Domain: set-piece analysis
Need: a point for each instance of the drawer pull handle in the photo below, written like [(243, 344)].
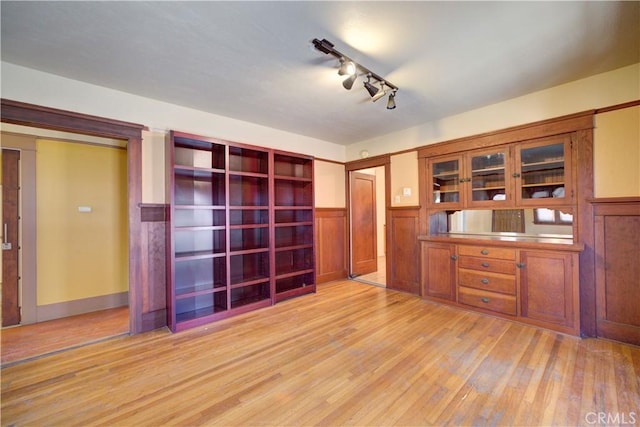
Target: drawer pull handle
[(520, 265), (484, 252), (454, 257), (485, 281), (485, 300), (485, 264)]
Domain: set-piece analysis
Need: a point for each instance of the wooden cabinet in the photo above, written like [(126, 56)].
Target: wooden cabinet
[(241, 228), (534, 286), (438, 270), (549, 289), (487, 278), (536, 172), (543, 172)]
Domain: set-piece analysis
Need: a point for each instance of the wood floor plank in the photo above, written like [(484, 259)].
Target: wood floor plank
[(352, 354)]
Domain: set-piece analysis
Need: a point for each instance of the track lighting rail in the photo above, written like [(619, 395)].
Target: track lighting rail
[(325, 46)]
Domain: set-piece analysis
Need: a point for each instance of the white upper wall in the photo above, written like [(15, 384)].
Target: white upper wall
[(602, 90), (35, 87)]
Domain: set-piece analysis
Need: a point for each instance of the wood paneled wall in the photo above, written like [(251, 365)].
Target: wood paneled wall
[(153, 260), (403, 260), (617, 245), (331, 244)]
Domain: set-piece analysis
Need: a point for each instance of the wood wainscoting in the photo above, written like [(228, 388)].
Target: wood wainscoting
[(153, 238), (403, 262), (331, 244), (617, 245)]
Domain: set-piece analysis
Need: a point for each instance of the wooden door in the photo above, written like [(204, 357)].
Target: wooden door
[(364, 247), (617, 241), (549, 289), (10, 206), (439, 270)]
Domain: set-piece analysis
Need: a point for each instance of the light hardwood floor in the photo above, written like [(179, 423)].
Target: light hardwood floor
[(352, 354), (28, 341), (378, 277)]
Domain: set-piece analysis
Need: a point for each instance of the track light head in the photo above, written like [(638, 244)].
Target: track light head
[(348, 82), (347, 68), (391, 103), (370, 88), (380, 93)]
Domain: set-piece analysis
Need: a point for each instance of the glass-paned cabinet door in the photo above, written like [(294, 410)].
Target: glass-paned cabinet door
[(445, 180), (544, 171), (489, 177)]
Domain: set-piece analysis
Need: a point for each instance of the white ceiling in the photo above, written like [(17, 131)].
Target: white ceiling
[(253, 61)]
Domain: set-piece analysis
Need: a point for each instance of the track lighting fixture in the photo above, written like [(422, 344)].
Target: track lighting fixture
[(347, 68), (350, 68), (348, 82), (391, 103), (369, 87)]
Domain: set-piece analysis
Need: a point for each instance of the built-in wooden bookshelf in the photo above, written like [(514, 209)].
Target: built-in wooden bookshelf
[(241, 228)]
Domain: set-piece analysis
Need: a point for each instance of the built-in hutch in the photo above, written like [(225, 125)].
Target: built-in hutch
[(501, 225), (240, 234)]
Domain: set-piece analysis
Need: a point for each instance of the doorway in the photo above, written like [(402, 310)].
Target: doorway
[(10, 244), (33, 301), (367, 207)]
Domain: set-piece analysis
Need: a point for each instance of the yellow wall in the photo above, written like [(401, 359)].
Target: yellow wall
[(617, 153), (81, 255)]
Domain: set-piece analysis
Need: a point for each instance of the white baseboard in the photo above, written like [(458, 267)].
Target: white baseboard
[(81, 306)]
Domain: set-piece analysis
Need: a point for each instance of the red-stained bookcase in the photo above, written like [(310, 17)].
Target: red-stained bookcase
[(240, 233)]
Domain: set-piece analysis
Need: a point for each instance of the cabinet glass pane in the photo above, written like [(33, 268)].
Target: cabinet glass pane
[(488, 177), (542, 171), (446, 180), (197, 275), (249, 294)]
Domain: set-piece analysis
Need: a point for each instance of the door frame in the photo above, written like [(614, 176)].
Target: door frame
[(32, 115), (370, 162)]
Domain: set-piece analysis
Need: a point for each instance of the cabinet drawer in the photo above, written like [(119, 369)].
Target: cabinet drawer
[(487, 252), (487, 264), (487, 300), (487, 281)]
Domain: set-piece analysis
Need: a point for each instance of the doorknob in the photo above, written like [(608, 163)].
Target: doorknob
[(6, 246)]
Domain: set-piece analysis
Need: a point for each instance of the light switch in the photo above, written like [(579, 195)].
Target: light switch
[(84, 209), (406, 191)]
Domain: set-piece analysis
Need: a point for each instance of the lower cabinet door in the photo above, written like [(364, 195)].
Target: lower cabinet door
[(438, 276), (548, 286)]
